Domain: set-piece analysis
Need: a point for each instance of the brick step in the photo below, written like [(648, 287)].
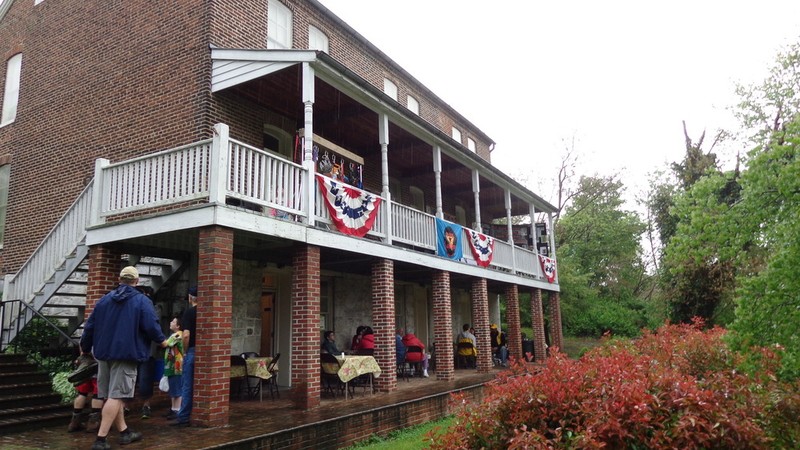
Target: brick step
[(35, 418), (12, 358), (11, 402), (35, 387), (17, 366), (22, 377)]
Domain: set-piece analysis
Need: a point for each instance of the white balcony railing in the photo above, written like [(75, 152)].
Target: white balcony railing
[(270, 184)]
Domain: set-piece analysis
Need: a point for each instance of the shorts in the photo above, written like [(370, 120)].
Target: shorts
[(175, 385), (116, 379), (88, 388)]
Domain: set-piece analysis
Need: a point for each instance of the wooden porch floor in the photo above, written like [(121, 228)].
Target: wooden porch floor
[(248, 419)]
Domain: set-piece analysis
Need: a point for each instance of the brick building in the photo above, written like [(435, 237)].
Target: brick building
[(185, 138)]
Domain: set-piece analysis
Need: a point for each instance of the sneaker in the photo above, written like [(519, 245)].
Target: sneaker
[(172, 414), (180, 424), (145, 412), (101, 445), (425, 374), (129, 436)]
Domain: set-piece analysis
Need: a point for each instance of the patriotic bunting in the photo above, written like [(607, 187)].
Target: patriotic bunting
[(352, 210), (549, 267), (448, 236), (482, 247)]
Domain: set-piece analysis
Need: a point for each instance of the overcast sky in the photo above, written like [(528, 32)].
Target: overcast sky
[(618, 77)]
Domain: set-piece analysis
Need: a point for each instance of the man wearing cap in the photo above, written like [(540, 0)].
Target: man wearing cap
[(189, 324), (118, 333)]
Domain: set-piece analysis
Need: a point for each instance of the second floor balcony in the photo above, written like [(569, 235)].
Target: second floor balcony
[(267, 194)]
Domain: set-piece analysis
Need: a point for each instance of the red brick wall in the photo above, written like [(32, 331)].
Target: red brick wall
[(108, 79), (384, 324), (556, 336), (305, 327), (104, 268), (513, 334), (214, 310), (443, 326), (480, 320), (537, 319)]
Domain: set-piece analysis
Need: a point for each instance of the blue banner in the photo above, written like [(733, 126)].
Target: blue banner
[(448, 240)]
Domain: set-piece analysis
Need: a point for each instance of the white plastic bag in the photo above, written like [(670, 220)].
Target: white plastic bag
[(164, 384)]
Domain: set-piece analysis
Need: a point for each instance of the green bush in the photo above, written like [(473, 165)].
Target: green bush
[(678, 387)]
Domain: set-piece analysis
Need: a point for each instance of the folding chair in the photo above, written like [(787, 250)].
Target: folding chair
[(253, 383), (331, 382)]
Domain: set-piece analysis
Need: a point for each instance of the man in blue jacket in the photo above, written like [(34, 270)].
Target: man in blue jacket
[(118, 333)]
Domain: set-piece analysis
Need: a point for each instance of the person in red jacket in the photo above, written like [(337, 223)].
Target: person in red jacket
[(367, 344), (355, 344), (411, 340)]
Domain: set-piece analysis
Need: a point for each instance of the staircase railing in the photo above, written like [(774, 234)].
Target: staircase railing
[(20, 314), (49, 256)]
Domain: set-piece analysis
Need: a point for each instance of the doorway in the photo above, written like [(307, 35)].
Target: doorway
[(267, 317)]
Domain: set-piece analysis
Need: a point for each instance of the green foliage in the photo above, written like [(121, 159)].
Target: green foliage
[(62, 386), (678, 387), (35, 337)]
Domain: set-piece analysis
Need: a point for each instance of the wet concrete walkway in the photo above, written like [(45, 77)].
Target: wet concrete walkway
[(248, 419)]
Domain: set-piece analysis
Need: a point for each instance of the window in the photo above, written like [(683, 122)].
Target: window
[(456, 135), (5, 171), (390, 88), (471, 145), (279, 32), (461, 215), (413, 105), (11, 96), (317, 40)]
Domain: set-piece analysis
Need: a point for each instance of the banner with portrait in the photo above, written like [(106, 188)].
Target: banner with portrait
[(448, 240)]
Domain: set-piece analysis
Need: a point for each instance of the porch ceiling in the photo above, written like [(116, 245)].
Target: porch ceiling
[(343, 120)]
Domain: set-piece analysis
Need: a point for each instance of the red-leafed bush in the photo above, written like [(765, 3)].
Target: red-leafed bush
[(676, 388)]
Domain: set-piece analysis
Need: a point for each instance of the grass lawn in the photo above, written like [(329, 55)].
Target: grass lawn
[(408, 439)]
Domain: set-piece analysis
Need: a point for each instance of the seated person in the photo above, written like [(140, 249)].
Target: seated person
[(400, 348), (355, 344), (329, 343), (469, 354), (411, 340), (367, 344), (499, 347)]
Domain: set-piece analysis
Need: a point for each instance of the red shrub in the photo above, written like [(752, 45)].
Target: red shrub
[(676, 388)]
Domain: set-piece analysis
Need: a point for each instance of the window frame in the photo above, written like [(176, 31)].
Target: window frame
[(11, 90), (411, 100), (316, 37), (279, 26), (456, 134), (471, 145), (390, 88)]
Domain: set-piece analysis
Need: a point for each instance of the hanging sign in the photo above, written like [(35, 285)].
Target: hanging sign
[(352, 210), (548, 267), (482, 247), (448, 237)]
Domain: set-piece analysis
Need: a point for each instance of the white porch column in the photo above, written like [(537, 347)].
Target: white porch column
[(383, 139), (534, 240), (476, 191), (552, 241), (510, 228), (437, 173), (97, 192), (218, 171), (308, 142)]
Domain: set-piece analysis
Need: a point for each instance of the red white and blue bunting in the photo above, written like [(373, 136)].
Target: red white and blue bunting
[(482, 247), (548, 267), (352, 210)]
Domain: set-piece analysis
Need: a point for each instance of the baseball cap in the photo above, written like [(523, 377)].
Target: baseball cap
[(129, 272)]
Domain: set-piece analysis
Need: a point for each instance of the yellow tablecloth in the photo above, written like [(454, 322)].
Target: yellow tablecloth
[(353, 366), (256, 367)]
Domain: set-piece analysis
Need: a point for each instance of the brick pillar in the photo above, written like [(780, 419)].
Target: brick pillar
[(513, 334), (103, 276), (480, 320), (214, 325), (537, 323), (383, 324), (443, 326), (305, 327), (556, 335)]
